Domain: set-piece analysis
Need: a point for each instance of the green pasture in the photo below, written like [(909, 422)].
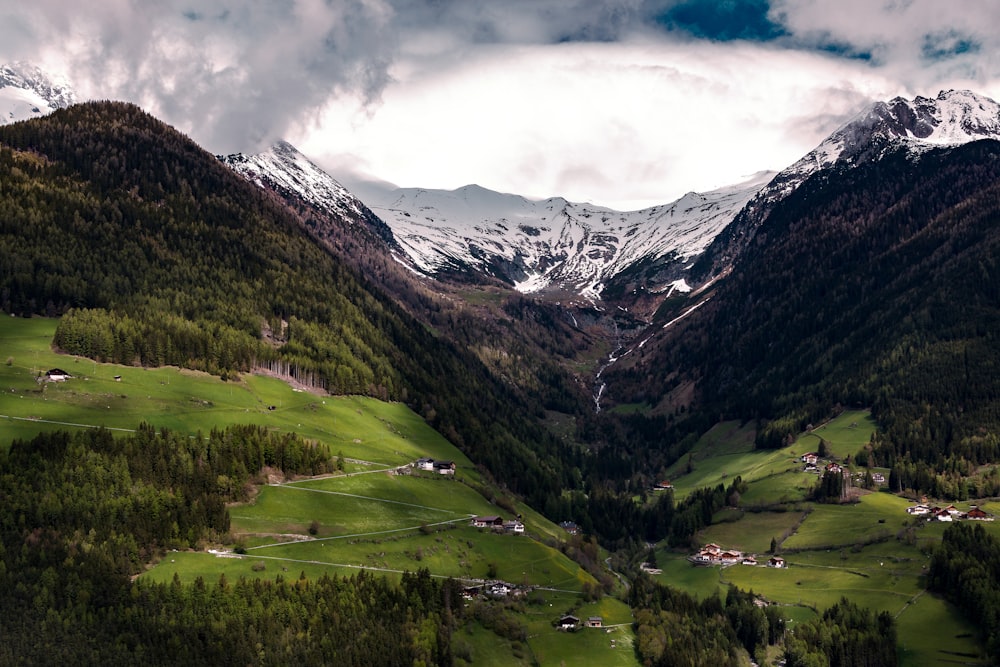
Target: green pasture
[(460, 552), (291, 509), (727, 450), (190, 402), (189, 565), (877, 515), (847, 433), (678, 572), (752, 532), (790, 487), (487, 649), (612, 646), (436, 491), (931, 631)]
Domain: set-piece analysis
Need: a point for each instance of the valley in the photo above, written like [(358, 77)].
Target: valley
[(367, 517), (223, 376)]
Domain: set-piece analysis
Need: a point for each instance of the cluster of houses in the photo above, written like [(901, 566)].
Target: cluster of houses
[(949, 513), (440, 467), (498, 524), (713, 554), (496, 589), (812, 464)]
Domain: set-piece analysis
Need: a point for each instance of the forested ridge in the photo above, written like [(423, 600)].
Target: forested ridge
[(875, 285), (156, 253)]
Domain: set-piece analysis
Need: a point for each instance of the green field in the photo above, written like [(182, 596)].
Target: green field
[(752, 532), (876, 516), (394, 523)]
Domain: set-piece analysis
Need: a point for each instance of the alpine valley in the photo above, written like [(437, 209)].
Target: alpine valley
[(256, 418)]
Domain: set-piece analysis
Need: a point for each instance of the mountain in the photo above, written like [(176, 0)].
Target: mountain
[(155, 253), (28, 92), (553, 246), (874, 283), (953, 118), (288, 172)]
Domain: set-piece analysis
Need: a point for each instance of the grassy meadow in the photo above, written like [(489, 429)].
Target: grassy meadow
[(362, 518), (365, 517)]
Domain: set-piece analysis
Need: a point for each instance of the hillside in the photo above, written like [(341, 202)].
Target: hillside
[(872, 285), (156, 253)]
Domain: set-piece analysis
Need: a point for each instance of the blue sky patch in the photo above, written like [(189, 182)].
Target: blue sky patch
[(723, 20)]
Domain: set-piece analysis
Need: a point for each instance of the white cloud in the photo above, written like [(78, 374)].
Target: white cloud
[(579, 98), (623, 124)]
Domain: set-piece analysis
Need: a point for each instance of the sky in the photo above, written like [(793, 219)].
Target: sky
[(623, 103)]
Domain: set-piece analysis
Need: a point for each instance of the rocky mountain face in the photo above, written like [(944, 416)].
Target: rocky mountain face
[(288, 172), (28, 92), (554, 247), (953, 118)]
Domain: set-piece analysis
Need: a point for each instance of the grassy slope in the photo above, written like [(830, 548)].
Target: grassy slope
[(384, 435), (838, 550)]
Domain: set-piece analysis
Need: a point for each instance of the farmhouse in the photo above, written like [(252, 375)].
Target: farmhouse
[(487, 522), (595, 622), (918, 510), (500, 589), (444, 467), (878, 478), (810, 458), (942, 515), (713, 554), (662, 486), (977, 514), (568, 622), (56, 375), (424, 464), (570, 527), (514, 526), (776, 561), (749, 560)]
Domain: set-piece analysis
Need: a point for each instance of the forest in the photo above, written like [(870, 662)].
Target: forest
[(84, 512), (965, 569)]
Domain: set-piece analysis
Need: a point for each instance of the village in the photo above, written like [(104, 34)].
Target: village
[(713, 554)]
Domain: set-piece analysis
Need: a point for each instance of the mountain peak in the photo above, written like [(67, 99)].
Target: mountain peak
[(288, 171), (28, 92)]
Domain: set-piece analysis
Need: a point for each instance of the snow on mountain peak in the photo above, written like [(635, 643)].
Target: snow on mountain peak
[(288, 171), (551, 244), (28, 92), (955, 117)]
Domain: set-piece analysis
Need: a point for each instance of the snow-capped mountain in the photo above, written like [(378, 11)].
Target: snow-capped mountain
[(288, 171), (28, 92), (553, 244), (953, 118)]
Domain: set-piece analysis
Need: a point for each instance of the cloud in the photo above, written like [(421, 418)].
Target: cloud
[(233, 75), (625, 124), (622, 102)]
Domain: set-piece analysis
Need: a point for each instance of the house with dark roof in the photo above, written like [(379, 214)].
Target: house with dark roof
[(444, 467), (568, 622)]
